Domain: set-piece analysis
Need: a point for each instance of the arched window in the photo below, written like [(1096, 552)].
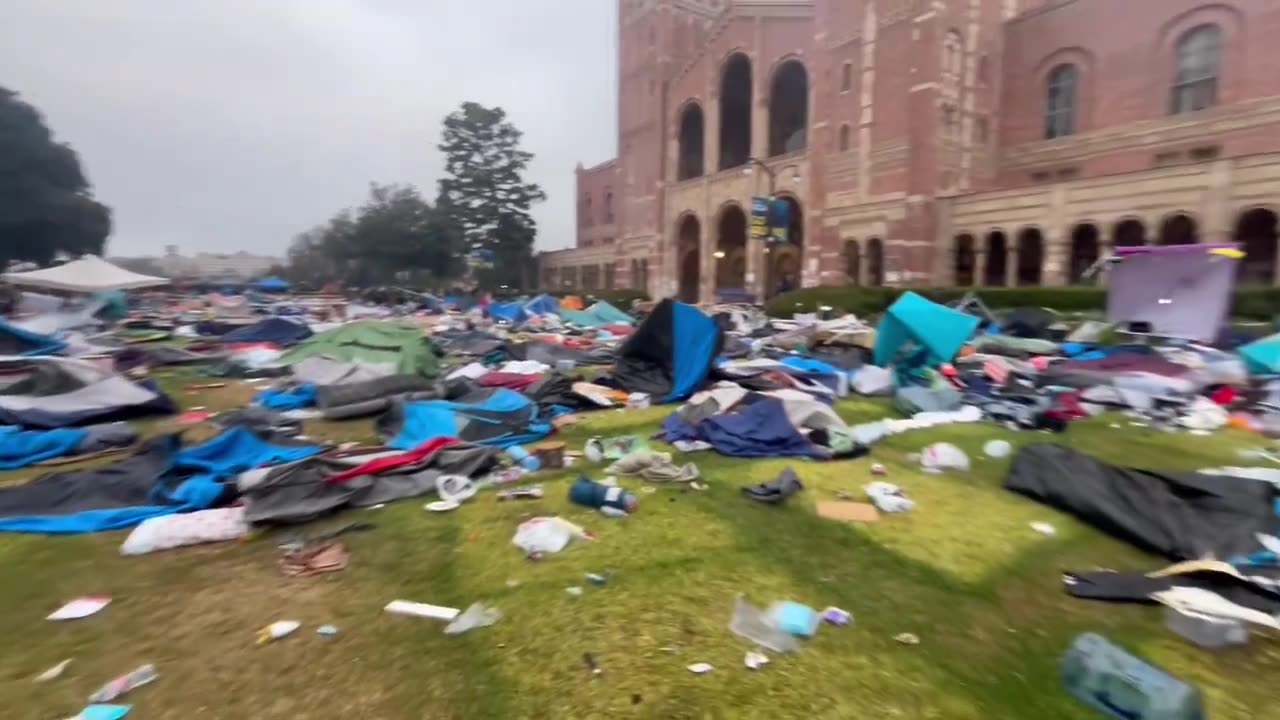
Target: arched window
[(1060, 108), (846, 137), (789, 109), (608, 207), (846, 77), (1198, 61), (735, 112), (690, 163), (586, 210), (952, 59)]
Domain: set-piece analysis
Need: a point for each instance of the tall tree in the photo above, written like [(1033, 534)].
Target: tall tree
[(46, 208), (485, 192)]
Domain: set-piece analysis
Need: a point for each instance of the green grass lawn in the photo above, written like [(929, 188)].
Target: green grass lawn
[(964, 572)]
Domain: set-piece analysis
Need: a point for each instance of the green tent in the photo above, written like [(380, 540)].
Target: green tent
[(372, 342)]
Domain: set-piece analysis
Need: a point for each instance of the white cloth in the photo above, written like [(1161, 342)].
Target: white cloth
[(172, 531), (471, 372), (525, 367), (87, 274)]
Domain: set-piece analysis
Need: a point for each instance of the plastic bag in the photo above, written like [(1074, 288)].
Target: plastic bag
[(171, 531), (543, 535), (940, 457), (477, 616), (751, 623)]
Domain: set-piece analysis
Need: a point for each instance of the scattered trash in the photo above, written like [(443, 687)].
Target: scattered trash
[(546, 535), (550, 454), (777, 490), (379, 506), (277, 630), (701, 668), (593, 450), (755, 660), (81, 608), (422, 610), (315, 559), (591, 664), (836, 616), (125, 683), (1206, 631), (54, 672), (513, 583), (1044, 528), (638, 401), (478, 615), (588, 493), (440, 506), (907, 639), (700, 487), (103, 712), (455, 488), (879, 470), (1092, 666), (649, 489), (751, 623), (794, 618), (193, 417), (940, 457), (533, 492), (889, 498), (524, 459), (848, 512), (173, 531), (327, 631), (598, 578), (998, 449), (575, 591)]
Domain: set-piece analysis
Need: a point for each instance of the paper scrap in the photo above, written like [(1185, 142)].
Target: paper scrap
[(81, 607)]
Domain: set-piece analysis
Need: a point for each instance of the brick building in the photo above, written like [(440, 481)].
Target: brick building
[(968, 142)]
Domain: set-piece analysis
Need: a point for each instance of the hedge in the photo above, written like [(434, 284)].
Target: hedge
[(1250, 303)]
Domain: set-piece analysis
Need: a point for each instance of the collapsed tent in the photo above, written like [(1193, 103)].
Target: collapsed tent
[(1262, 357), (598, 315), (1181, 291), (16, 341), (302, 491), (272, 285), (917, 324), (86, 275), (161, 478), (1182, 516), (275, 330), (393, 348), (542, 305), (670, 354), (53, 392), (22, 448), (494, 416)]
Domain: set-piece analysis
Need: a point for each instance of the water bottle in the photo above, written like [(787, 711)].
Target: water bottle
[(1109, 679), (522, 456)]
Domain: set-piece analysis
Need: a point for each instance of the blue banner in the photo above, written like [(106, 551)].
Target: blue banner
[(779, 220), (759, 218)]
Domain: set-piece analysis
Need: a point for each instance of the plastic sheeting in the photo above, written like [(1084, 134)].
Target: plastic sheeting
[(278, 331)]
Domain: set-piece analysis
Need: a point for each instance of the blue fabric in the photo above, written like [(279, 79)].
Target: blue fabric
[(512, 312), (20, 448), (36, 344), (272, 284), (694, 342), (941, 330), (276, 330), (1261, 357), (296, 398), (760, 429), (542, 305), (212, 464), (503, 419)]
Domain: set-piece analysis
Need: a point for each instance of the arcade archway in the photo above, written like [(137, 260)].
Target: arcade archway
[(689, 255), (1256, 233), (784, 261), (731, 248)]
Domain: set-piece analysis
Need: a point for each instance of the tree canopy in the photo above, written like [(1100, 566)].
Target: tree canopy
[(46, 208), (485, 192)]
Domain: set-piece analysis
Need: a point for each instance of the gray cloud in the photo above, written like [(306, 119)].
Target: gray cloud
[(220, 125)]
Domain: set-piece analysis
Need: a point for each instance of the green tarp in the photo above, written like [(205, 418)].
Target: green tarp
[(402, 346)]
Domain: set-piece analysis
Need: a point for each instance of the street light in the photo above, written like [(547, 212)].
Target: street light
[(753, 163), (719, 254)]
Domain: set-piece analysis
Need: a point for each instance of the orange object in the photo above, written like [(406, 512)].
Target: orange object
[(571, 302)]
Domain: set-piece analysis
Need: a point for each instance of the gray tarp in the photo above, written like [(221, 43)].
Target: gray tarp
[(55, 392)]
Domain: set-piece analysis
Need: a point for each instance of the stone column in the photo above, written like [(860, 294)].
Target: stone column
[(979, 264), (1011, 264), (1056, 263), (711, 133)]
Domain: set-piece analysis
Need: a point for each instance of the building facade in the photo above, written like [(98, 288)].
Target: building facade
[(928, 142)]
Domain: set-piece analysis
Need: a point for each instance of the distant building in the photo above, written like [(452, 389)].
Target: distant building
[(222, 266), (917, 142)]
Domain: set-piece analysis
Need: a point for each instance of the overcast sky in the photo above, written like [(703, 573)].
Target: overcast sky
[(222, 125)]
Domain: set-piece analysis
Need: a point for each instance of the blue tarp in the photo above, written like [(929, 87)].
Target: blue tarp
[(542, 305), (512, 312), (697, 340), (279, 331), (161, 479), (24, 343), (272, 285), (670, 354), (21, 448), (755, 430), (937, 330), (498, 418), (295, 398)]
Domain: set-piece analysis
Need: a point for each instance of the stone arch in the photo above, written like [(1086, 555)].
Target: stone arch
[(1129, 232), (789, 108), (731, 247), (1256, 232), (785, 260), (852, 263), (1086, 248), (965, 262), (1030, 257), (691, 145), (997, 270), (1179, 229), (736, 95), (688, 256), (875, 262)]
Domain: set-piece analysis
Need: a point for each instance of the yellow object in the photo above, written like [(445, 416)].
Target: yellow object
[(1232, 253)]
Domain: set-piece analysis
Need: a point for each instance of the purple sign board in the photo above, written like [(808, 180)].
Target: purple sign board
[(1182, 291)]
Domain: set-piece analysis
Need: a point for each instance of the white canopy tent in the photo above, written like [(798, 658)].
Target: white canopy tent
[(86, 275)]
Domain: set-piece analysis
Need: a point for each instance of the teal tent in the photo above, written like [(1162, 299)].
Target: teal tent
[(1262, 357), (936, 332), (598, 315)]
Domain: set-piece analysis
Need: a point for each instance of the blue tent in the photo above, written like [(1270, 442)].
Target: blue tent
[(272, 284), (1262, 357), (280, 331), (937, 332), (542, 305), (494, 416), (670, 354), (16, 341), (512, 312)]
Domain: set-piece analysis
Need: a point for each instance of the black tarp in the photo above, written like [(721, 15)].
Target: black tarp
[(1182, 516)]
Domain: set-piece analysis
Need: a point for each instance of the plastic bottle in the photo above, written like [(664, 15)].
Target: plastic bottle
[(125, 683), (522, 456), (1109, 679)]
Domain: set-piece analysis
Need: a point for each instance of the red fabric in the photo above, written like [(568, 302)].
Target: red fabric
[(512, 381), (579, 343), (381, 465), (1225, 395), (1067, 407)]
